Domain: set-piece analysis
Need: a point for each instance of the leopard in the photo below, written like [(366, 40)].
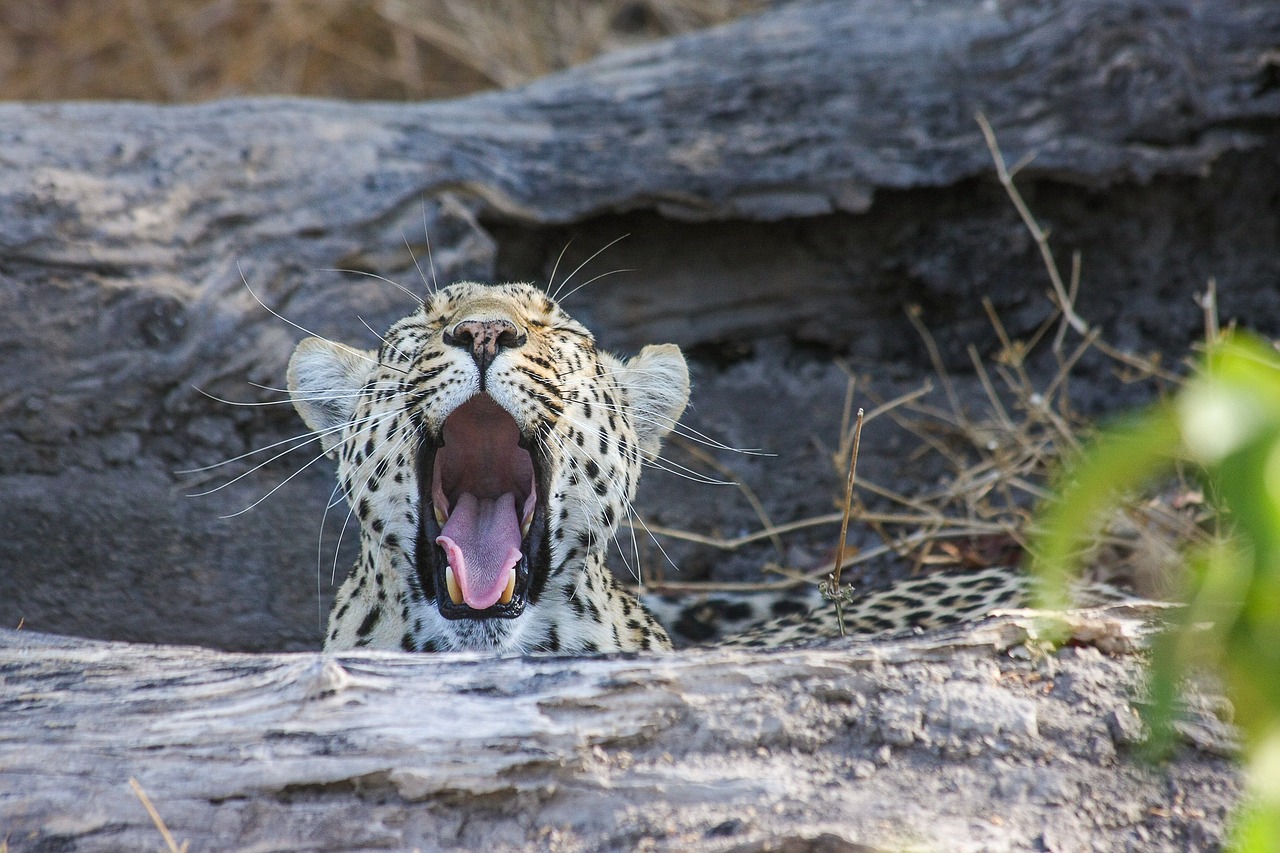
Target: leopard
[(489, 451)]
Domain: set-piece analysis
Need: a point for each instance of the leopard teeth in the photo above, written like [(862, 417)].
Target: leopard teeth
[(455, 591), (441, 515), (525, 525), (510, 590)]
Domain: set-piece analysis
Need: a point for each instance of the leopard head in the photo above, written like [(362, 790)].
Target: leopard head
[(489, 452)]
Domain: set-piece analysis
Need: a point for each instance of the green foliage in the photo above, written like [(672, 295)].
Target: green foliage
[(1225, 422)]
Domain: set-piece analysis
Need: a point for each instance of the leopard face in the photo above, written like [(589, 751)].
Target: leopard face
[(488, 452)]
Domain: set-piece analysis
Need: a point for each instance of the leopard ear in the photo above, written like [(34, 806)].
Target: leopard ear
[(656, 383), (325, 379)]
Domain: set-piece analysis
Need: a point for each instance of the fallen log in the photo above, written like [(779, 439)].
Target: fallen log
[(135, 241), (969, 740)]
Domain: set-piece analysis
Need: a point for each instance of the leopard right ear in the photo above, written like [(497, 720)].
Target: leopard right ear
[(325, 379)]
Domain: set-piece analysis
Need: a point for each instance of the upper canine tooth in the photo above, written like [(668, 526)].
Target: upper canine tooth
[(510, 590), (441, 515), (455, 592), (525, 525)]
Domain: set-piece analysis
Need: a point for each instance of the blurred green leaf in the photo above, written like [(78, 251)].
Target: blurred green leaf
[(1225, 421)]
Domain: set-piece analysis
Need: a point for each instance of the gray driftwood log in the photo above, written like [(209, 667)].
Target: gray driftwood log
[(128, 234), (974, 741)]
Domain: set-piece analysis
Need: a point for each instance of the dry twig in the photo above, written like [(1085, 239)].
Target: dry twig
[(173, 845), (833, 590)]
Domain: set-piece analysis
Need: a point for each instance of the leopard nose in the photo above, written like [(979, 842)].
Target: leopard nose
[(484, 339)]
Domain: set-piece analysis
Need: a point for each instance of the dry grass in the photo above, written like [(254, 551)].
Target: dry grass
[(158, 50), (1001, 453)]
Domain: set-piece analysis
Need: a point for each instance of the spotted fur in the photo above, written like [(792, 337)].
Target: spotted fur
[(587, 420), (800, 615)]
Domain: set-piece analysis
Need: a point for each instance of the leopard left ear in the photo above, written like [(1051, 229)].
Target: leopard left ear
[(656, 383), (324, 380)]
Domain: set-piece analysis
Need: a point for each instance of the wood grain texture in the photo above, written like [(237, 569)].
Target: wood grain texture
[(965, 739)]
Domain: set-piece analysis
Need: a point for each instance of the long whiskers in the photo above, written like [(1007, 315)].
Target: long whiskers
[(301, 328), (388, 343), (426, 232), (303, 438), (596, 278), (316, 397), (300, 443), (329, 504), (552, 280), (569, 277), (415, 297), (353, 500), (681, 429)]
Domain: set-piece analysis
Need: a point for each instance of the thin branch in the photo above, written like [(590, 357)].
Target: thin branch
[(169, 841)]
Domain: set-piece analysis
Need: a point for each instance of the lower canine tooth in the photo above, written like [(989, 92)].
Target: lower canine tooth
[(510, 590), (455, 592)]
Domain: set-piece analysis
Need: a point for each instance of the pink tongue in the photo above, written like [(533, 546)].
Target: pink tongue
[(481, 539)]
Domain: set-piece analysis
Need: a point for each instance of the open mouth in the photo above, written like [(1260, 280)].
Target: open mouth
[(481, 532)]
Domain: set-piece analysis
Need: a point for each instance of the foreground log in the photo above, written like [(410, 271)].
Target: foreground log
[(128, 234), (977, 740)]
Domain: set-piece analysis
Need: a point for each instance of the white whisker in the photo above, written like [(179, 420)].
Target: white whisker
[(552, 280), (681, 429), (329, 504), (416, 265), (316, 397), (426, 233), (681, 471), (385, 341), (570, 276), (304, 439), (302, 442), (275, 489), (597, 278), (300, 328), (415, 297)]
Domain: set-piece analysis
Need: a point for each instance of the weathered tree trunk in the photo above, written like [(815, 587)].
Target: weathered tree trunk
[(971, 741), (131, 235)]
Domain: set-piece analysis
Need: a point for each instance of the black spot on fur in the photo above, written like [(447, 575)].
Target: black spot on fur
[(366, 627), (735, 611), (918, 618), (788, 606), (697, 630)]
